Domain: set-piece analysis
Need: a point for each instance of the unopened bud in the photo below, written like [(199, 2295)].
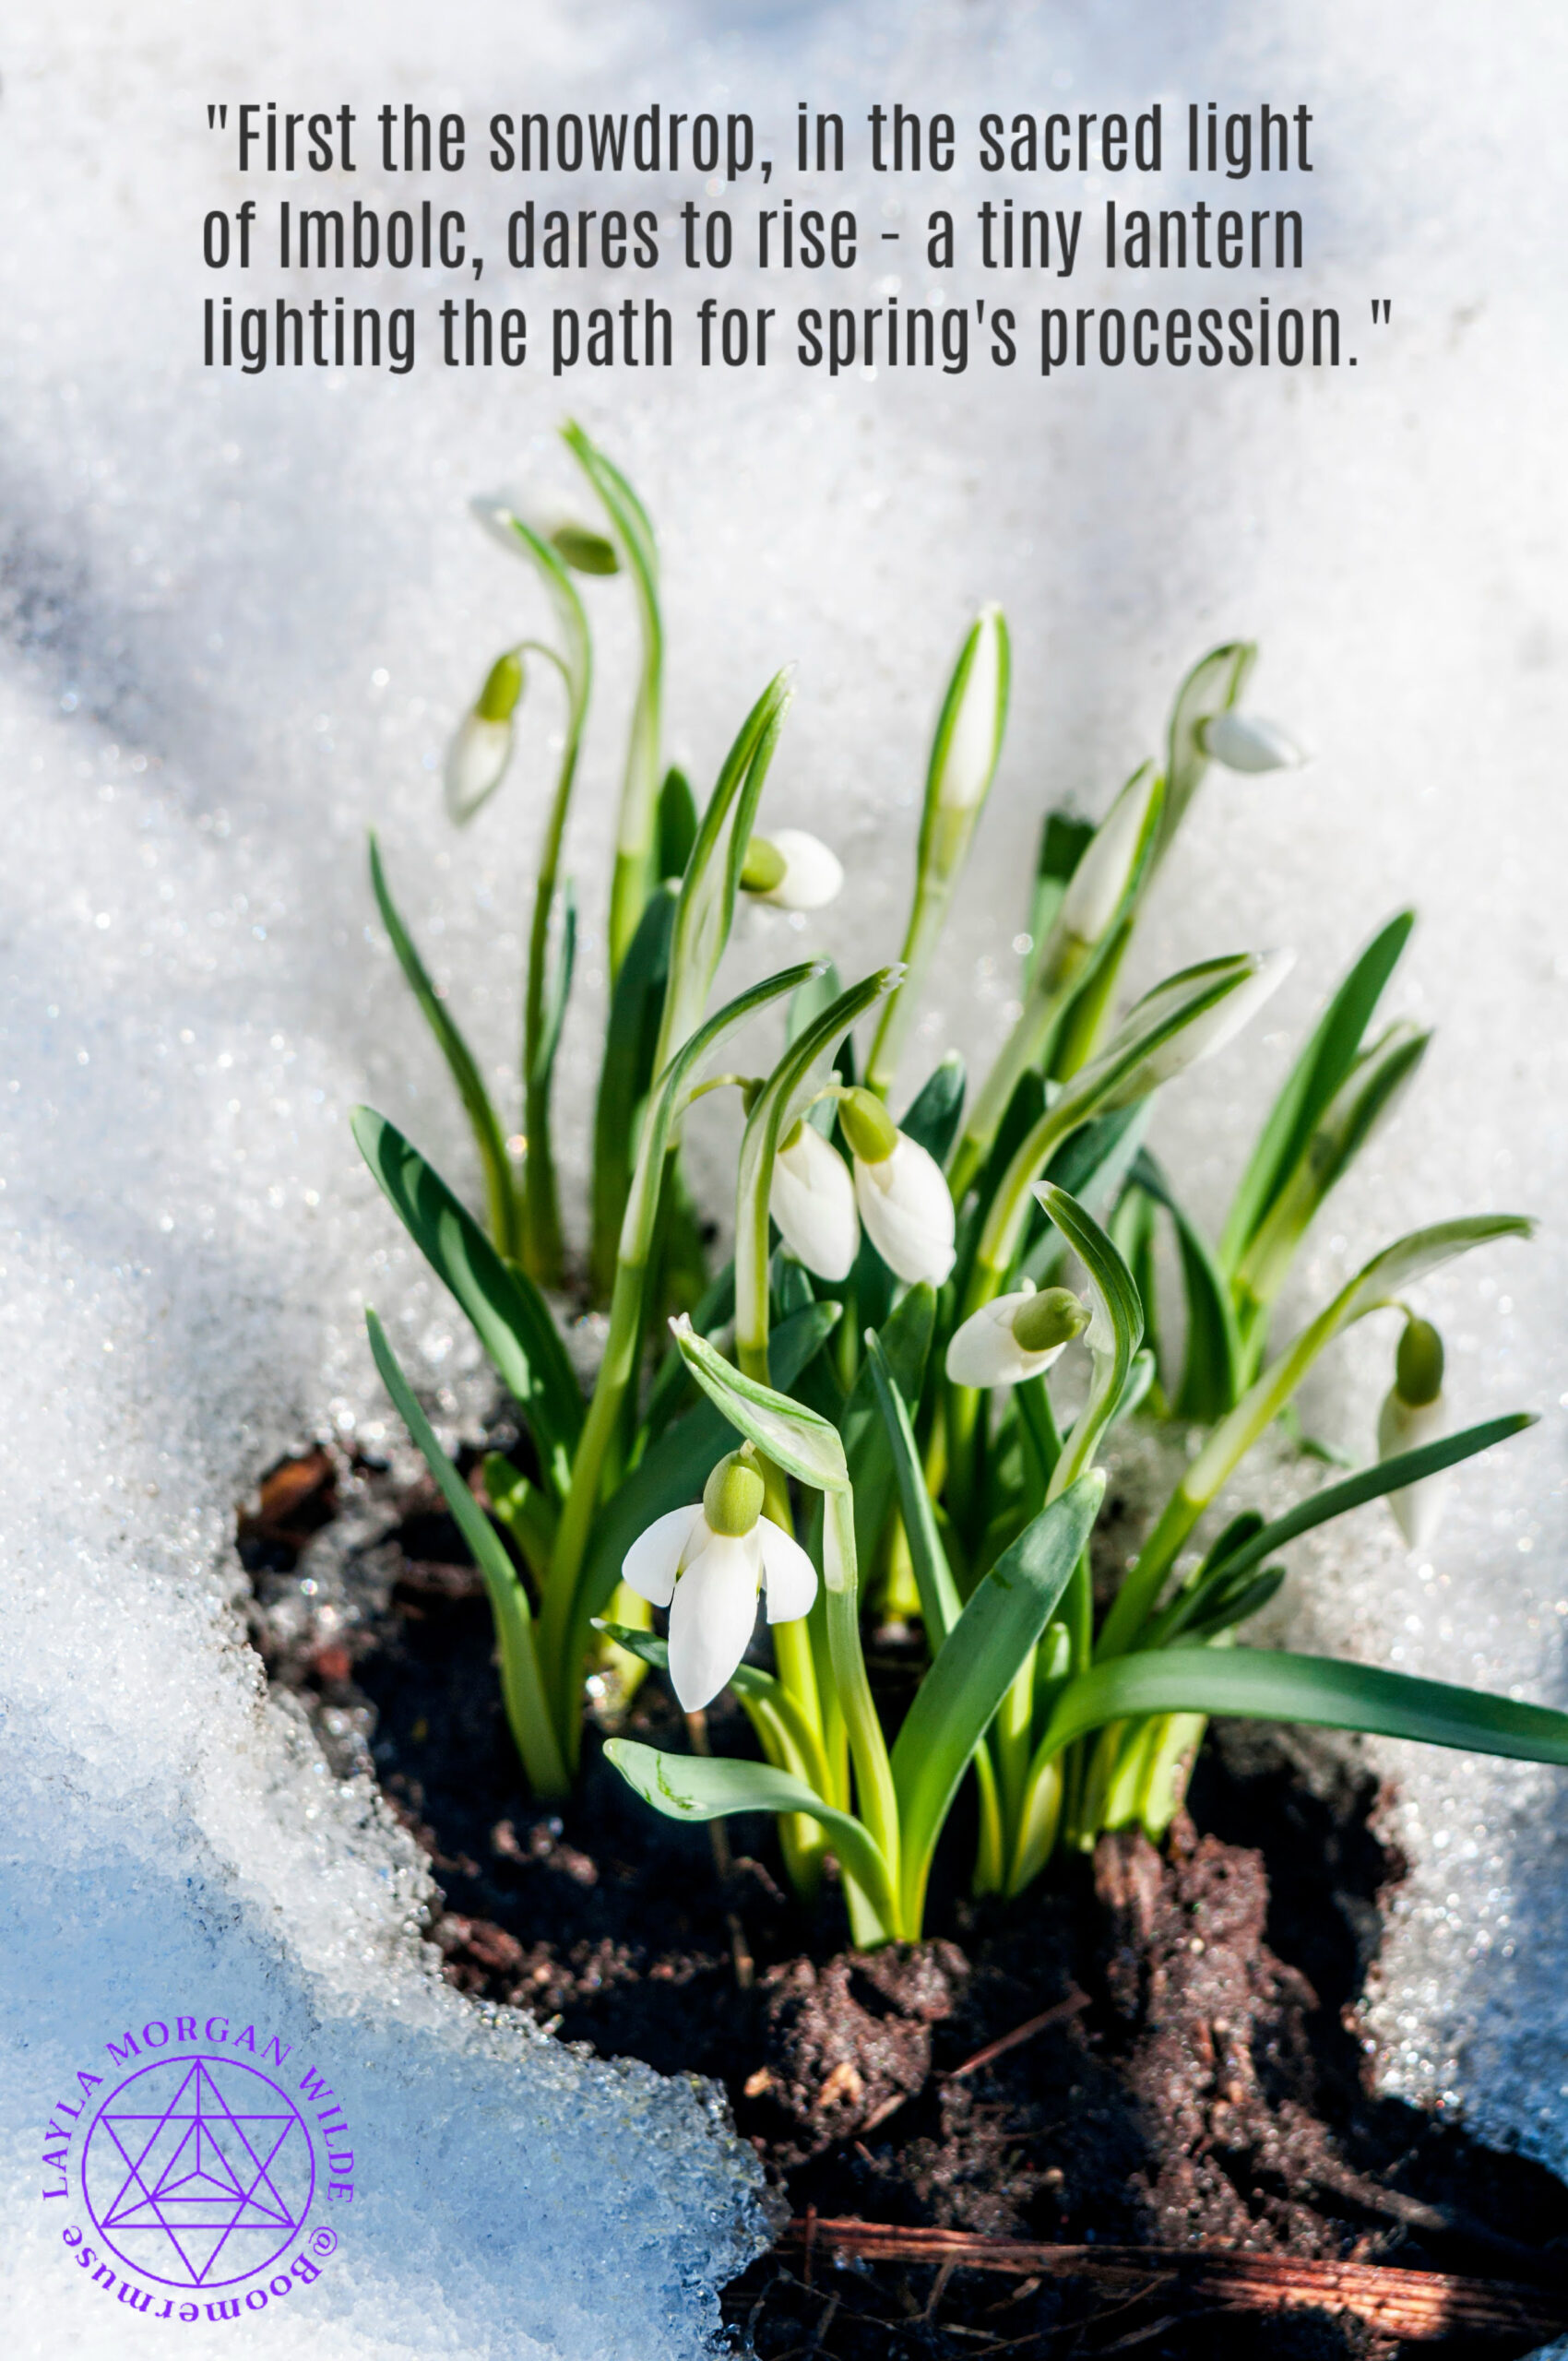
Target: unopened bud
[(967, 761), (1098, 885)]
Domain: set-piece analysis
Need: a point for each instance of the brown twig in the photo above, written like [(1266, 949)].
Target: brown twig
[(1421, 2306), (1071, 2007)]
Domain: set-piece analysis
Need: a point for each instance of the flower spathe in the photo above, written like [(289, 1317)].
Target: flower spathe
[(710, 1580), (1098, 885), (813, 1200), (1244, 742), (1218, 1025)]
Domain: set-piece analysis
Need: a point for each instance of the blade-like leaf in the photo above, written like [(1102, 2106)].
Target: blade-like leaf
[(630, 1038), (559, 989), (511, 1318), (1317, 1076), (1267, 1684), (902, 1345), (1370, 1483), (500, 1198), (696, 1786), (932, 1115), (758, 1691), (1113, 1337), (794, 1438), (677, 825), (940, 1603), (974, 1668), (527, 1710), (1211, 1377)]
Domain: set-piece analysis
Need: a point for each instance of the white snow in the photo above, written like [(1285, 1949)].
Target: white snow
[(239, 617)]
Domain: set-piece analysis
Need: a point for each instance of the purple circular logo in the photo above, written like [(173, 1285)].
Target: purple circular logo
[(198, 2171)]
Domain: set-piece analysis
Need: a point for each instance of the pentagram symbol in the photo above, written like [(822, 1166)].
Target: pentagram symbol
[(198, 2171)]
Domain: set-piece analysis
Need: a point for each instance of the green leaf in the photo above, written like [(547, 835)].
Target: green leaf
[(794, 1438), (975, 1664), (522, 1688), (674, 1469), (637, 1003), (940, 1603), (1123, 1316), (902, 1347), (509, 1315), (1317, 1076), (1369, 1484), (1063, 840), (1267, 1684), (1211, 1378), (501, 1199), (773, 1711), (696, 1786), (677, 825), (524, 1510), (932, 1115), (1214, 684), (559, 989)]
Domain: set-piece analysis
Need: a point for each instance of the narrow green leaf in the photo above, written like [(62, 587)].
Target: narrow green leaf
[(636, 1002), (522, 1688), (934, 1114), (524, 1510), (1315, 1077), (511, 1318), (1267, 1684), (903, 1347), (501, 1199), (677, 825), (940, 1602), (755, 1688), (696, 1786), (1211, 1378), (974, 1668), (1112, 1338), (1371, 1484), (794, 1438), (558, 990)]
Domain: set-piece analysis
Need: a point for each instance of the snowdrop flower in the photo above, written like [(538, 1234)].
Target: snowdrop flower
[(974, 740), (1415, 1413), (792, 871), (707, 1564), (1103, 876), (1016, 1337), (577, 545), (1243, 743), (904, 1199), (477, 760), (813, 1200), (1220, 1024)]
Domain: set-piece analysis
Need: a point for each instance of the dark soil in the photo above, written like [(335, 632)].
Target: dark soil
[(1189, 2074)]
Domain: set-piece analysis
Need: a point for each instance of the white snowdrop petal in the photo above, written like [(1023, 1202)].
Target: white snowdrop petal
[(985, 1351), (1416, 1509), (713, 1617), (650, 1564), (813, 1200), (788, 1577), (906, 1206), (476, 764), (813, 876), (1244, 742)]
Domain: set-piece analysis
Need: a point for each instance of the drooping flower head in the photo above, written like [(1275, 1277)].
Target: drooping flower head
[(1016, 1337), (903, 1197), (482, 747), (813, 1200), (792, 871), (1414, 1413), (707, 1563)]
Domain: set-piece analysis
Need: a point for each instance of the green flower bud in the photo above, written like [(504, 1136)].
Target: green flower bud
[(498, 699), (1053, 1317), (868, 1128), (732, 1496), (1418, 1365), (585, 552)]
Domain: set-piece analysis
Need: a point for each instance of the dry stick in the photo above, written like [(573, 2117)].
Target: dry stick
[(1421, 2306), (723, 1862), (1026, 2032)]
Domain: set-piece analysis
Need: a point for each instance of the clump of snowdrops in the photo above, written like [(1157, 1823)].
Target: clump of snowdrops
[(859, 1405)]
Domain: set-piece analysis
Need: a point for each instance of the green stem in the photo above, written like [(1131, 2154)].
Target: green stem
[(875, 1795), (542, 1243)]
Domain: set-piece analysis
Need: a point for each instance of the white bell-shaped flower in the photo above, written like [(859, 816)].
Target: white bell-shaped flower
[(1414, 1413), (1243, 741), (792, 871), (903, 1195), (813, 1200), (707, 1564), (1015, 1336), (482, 748)]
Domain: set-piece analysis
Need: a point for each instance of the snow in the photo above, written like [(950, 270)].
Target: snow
[(239, 616)]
